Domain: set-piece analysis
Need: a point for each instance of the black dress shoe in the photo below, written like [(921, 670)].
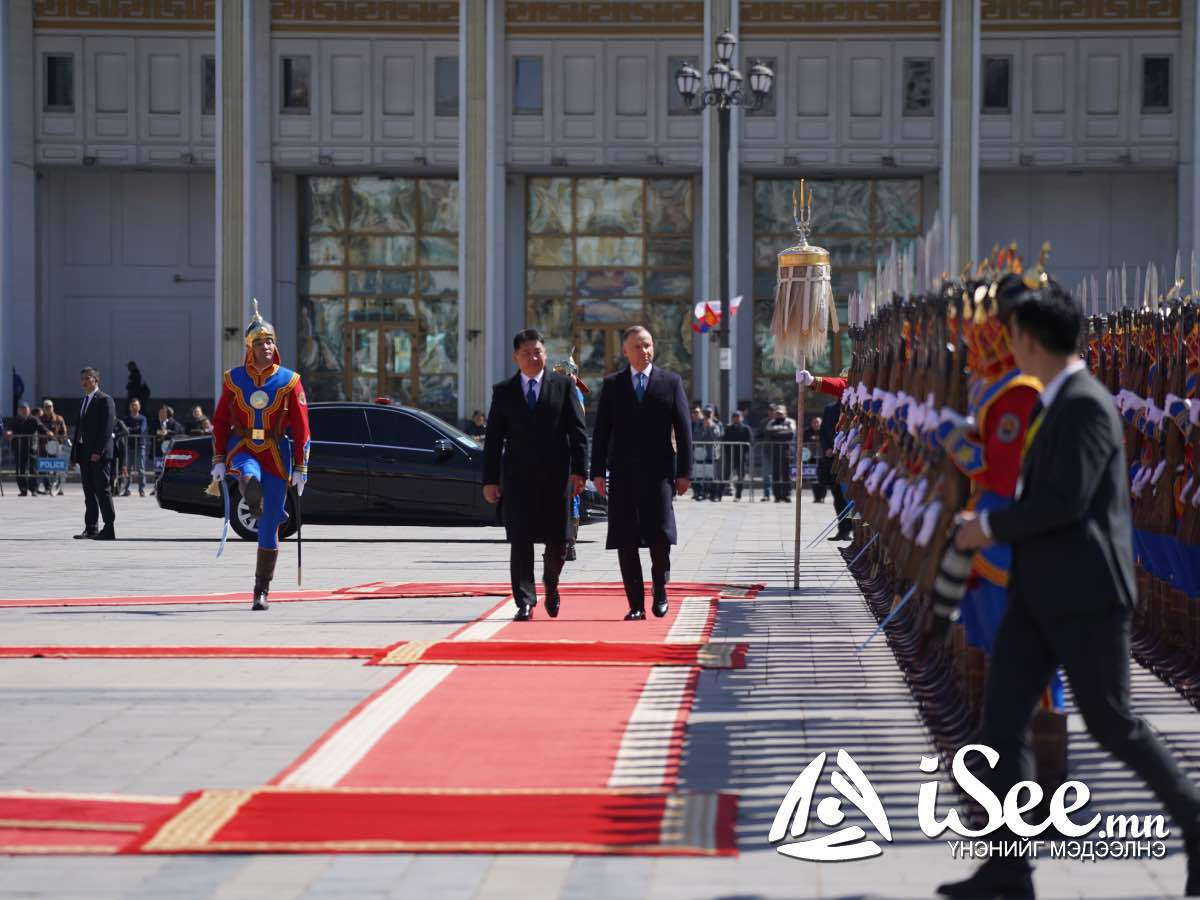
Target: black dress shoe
[(635, 615), (1192, 886), (660, 606), (105, 534), (524, 613), (552, 601), (86, 535), (992, 880)]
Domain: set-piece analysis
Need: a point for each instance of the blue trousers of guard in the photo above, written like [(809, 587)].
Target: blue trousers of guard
[(274, 499)]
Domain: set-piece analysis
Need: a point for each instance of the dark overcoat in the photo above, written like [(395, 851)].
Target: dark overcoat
[(531, 454), (632, 443)]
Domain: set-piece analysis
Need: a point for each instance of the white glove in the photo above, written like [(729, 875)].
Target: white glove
[(218, 471), (804, 377), (299, 479)]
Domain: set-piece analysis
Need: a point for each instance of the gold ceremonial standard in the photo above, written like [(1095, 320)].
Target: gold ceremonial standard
[(804, 308)]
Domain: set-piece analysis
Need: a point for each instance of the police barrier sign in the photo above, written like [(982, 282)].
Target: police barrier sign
[(51, 464), (1118, 836)]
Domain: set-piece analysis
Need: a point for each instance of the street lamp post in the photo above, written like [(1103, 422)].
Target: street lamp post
[(724, 92)]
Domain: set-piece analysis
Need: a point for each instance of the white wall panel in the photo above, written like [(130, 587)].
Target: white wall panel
[(204, 127), (760, 128), (294, 127), (344, 78), (1156, 126), (1003, 127), (128, 275), (814, 85), (579, 98), (441, 130), (59, 126), (109, 88), (866, 103), (1083, 216), (1050, 82), (154, 210), (915, 129), (163, 97)]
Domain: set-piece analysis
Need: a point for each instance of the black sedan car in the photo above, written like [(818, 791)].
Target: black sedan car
[(370, 464)]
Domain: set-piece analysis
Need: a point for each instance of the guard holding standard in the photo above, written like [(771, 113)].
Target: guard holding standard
[(534, 453)]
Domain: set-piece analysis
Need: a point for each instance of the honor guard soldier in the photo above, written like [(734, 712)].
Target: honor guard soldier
[(260, 402)]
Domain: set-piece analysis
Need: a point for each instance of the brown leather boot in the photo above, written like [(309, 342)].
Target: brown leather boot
[(263, 573)]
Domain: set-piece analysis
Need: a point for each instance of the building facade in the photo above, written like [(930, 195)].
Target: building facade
[(403, 185)]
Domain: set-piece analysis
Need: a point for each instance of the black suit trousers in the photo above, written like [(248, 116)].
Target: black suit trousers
[(1095, 653), (631, 571), (520, 566), (97, 493)]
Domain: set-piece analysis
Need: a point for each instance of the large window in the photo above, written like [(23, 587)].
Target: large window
[(856, 221), (604, 253), (378, 286)]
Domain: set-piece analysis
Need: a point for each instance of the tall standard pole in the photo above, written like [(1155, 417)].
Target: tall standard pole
[(724, 403)]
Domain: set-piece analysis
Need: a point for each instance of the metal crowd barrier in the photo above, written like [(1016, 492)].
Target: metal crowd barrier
[(767, 468), (43, 464)]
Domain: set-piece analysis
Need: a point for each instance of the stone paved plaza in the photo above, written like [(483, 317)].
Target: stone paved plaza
[(171, 725)]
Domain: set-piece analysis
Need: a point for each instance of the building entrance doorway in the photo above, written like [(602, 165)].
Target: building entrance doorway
[(384, 361)]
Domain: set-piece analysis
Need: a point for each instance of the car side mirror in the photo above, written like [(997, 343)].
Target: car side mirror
[(442, 449)]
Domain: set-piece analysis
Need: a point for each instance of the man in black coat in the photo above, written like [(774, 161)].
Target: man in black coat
[(93, 453), (1071, 589), (534, 457), (641, 407)]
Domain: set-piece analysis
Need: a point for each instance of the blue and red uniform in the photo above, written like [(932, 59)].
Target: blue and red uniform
[(260, 431)]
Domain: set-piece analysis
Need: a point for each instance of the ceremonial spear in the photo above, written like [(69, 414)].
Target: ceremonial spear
[(804, 311)]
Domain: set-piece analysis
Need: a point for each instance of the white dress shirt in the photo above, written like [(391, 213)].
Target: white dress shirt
[(634, 373), (537, 385), (87, 401)]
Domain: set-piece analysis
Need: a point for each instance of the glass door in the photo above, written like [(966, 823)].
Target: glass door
[(599, 351), (382, 363)]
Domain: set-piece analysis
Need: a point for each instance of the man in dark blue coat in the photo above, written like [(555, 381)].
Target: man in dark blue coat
[(534, 457), (641, 408)]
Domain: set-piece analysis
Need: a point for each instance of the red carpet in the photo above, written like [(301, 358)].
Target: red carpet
[(142, 652), (76, 823), (590, 653), (266, 821), (564, 653), (555, 735)]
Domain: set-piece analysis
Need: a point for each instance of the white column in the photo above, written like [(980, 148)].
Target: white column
[(229, 282), (257, 258), (19, 337), (960, 130), (478, 212), (6, 293), (495, 340), (1189, 131)]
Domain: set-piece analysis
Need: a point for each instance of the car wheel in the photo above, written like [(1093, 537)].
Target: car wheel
[(245, 523)]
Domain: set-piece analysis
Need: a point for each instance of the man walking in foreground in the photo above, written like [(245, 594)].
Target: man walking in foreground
[(641, 407), (534, 454), (1071, 587)]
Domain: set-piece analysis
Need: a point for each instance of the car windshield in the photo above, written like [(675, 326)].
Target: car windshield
[(464, 439)]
